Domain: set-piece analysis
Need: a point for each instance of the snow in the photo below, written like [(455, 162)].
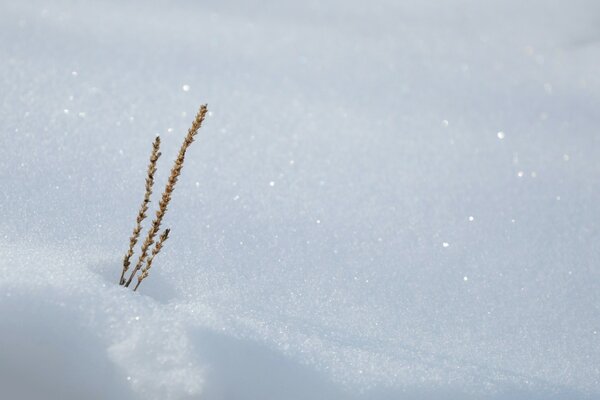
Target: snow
[(387, 200)]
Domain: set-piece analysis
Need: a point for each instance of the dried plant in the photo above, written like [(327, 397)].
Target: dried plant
[(155, 251), (143, 208), (166, 196)]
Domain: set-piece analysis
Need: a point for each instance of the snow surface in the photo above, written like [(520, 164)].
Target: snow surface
[(389, 200)]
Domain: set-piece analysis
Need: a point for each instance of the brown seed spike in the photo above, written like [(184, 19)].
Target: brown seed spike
[(166, 196), (157, 247), (143, 208)]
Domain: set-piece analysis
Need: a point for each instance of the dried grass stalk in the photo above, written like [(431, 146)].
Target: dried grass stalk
[(157, 247), (143, 208), (166, 196)]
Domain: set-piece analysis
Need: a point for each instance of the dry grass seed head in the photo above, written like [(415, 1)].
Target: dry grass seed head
[(166, 196), (154, 156), (157, 247)]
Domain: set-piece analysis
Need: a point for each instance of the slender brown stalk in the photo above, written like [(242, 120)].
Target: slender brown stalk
[(143, 208), (166, 196), (157, 247)]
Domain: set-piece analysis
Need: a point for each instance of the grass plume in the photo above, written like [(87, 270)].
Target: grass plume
[(166, 196), (143, 208), (155, 251)]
